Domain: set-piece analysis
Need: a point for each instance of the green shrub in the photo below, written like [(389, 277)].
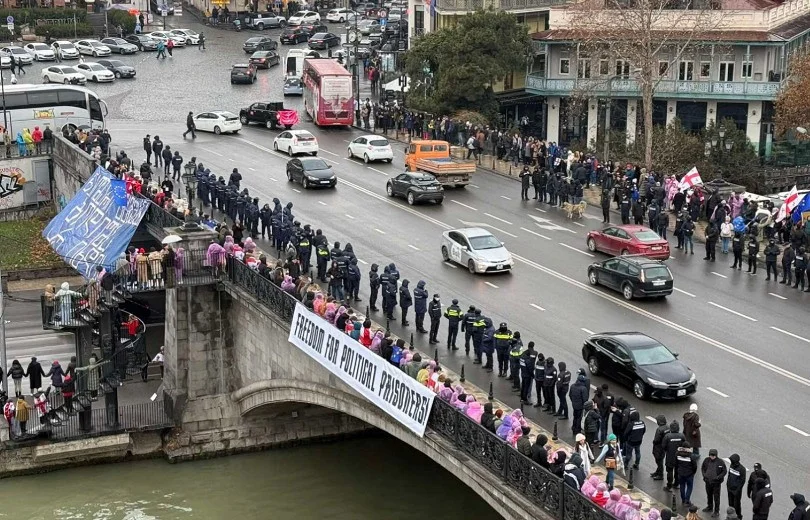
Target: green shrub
[(5, 35), (116, 17), (30, 16), (62, 31)]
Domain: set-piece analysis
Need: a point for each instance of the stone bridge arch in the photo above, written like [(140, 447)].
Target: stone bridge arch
[(488, 486)]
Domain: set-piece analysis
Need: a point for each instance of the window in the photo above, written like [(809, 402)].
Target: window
[(604, 67), (612, 264), (686, 71), (509, 81), (620, 233), (70, 98), (42, 99), (747, 69), (705, 69), (565, 64), (663, 68), (584, 68), (726, 71), (622, 68), (15, 101), (622, 354)]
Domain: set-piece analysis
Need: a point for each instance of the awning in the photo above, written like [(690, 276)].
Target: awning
[(396, 87)]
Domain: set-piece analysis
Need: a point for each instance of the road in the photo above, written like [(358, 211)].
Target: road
[(740, 335)]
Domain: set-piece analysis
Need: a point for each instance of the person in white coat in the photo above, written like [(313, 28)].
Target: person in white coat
[(584, 449)]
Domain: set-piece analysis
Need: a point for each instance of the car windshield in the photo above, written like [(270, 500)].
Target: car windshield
[(653, 354), (96, 44), (292, 82), (17, 50), (96, 66), (647, 236), (253, 40), (66, 45), (378, 142), (41, 47), (315, 164), (116, 63), (657, 273), (484, 242), (66, 70), (240, 68)]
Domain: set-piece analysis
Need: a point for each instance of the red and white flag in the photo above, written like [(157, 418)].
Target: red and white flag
[(692, 178), (791, 201)]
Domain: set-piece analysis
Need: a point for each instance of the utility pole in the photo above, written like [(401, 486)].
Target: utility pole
[(3, 359)]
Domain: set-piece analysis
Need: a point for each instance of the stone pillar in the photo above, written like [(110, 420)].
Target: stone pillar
[(632, 114), (672, 108), (593, 121), (711, 113), (553, 122), (752, 129)]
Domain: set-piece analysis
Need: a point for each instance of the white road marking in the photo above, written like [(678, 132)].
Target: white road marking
[(481, 224), (296, 190), (474, 186), (462, 204), (272, 179), (414, 247), (732, 311), (548, 225), (535, 233), (349, 216), (578, 224), (330, 160), (575, 249), (777, 296), (602, 294), (252, 169), (718, 274), (498, 218), (450, 264), (537, 307), (362, 261), (345, 141), (586, 331), (330, 153), (322, 203), (380, 231), (777, 329), (231, 159), (651, 418), (215, 153), (376, 170), (505, 197), (591, 217), (803, 434), (491, 285), (684, 292), (718, 392), (541, 210)]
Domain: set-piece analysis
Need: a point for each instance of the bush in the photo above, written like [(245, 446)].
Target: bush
[(116, 17), (30, 16), (65, 31), (5, 35)]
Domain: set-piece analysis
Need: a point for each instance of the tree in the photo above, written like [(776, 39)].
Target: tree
[(644, 33), (792, 106), (453, 68)]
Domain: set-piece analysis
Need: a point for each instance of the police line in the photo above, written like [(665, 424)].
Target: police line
[(385, 385)]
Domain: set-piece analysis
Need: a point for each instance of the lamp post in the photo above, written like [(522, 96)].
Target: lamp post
[(190, 182), (607, 116), (720, 145)]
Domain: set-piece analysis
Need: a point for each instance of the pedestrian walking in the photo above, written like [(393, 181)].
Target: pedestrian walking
[(454, 318), (35, 375), (612, 456), (16, 373), (691, 428), (605, 408), (735, 483), (191, 127), (161, 50), (169, 47), (633, 436), (201, 46)]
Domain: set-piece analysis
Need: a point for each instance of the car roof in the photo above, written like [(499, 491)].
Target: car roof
[(473, 232), (630, 339), (630, 228), (241, 65), (310, 160), (301, 132), (372, 136), (639, 260)]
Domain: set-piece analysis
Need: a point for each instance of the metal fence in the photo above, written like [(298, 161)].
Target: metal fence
[(30, 150), (266, 292), (188, 268)]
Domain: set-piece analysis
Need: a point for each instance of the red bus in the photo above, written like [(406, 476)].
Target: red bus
[(328, 97)]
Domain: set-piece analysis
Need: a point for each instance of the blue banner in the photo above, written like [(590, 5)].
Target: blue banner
[(803, 207), (95, 227)]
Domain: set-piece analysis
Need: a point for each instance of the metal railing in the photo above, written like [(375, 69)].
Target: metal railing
[(507, 5), (191, 267), (266, 292), (30, 150)]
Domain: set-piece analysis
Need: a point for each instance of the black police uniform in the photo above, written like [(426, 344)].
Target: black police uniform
[(502, 338), (435, 314), (527, 363), (467, 322), (374, 286), (453, 315)]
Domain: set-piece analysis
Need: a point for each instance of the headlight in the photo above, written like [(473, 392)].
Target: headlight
[(656, 383), (332, 178), (312, 178), (693, 378)]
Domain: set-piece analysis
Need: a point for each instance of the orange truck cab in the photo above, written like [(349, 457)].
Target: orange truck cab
[(434, 157)]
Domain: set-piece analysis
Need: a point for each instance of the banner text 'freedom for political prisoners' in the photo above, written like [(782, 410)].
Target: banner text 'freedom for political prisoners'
[(385, 385)]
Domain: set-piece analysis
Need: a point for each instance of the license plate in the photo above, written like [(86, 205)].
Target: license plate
[(656, 248), (499, 266), (324, 182), (659, 282), (681, 393)]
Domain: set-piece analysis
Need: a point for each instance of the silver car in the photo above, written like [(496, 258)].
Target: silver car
[(120, 45), (293, 87), (476, 249)]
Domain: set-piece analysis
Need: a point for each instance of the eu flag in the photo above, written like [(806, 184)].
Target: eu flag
[(119, 190), (802, 207)]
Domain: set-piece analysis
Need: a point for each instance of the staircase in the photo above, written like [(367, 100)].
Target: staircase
[(97, 21)]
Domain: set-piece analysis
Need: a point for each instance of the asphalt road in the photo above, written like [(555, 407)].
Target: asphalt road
[(741, 336)]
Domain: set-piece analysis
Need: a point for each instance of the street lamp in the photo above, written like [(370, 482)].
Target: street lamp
[(720, 144), (190, 182)]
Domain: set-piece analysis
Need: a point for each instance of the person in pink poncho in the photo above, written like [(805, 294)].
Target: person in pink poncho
[(623, 507), (633, 512), (518, 416), (250, 245), (467, 401), (475, 411), (215, 257), (505, 427), (514, 434), (446, 394), (341, 310), (228, 244), (613, 501), (589, 486), (601, 496), (331, 310), (375, 342)]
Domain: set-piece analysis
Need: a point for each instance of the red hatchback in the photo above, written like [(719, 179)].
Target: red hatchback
[(629, 240)]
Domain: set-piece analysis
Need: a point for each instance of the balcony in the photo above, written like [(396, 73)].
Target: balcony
[(709, 90), (468, 6)]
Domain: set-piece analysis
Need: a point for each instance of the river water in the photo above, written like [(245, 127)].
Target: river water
[(373, 477)]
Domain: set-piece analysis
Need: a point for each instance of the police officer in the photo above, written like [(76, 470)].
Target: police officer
[(391, 292), (420, 297), (241, 203), (515, 351), (488, 344), (453, 315), (549, 382), (527, 363), (787, 265), (374, 286), (405, 301), (800, 266), (230, 203), (539, 378), (385, 281), (354, 276), (467, 322), (563, 385), (264, 216), (304, 247), (322, 257), (222, 193), (502, 338), (478, 326), (253, 217), (435, 314), (235, 178), (335, 252), (771, 254)]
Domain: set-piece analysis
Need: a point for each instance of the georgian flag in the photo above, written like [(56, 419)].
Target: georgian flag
[(791, 201), (692, 178)]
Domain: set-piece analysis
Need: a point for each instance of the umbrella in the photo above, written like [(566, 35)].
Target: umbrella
[(172, 239)]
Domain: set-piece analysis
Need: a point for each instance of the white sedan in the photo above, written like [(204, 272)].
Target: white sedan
[(341, 15), (165, 36), (68, 50), (371, 148), (192, 37), (477, 250), (40, 52), (217, 121), (95, 72), (17, 53), (304, 17), (63, 74), (93, 47), (296, 141), (5, 62)]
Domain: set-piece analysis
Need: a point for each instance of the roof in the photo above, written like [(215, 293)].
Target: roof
[(326, 66), (793, 28), (564, 35), (631, 338), (473, 232)]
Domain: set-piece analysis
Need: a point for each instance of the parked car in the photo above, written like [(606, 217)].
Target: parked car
[(640, 362), (313, 28), (259, 43), (323, 40), (63, 74), (142, 41), (243, 73), (165, 36), (311, 172), (261, 21), (477, 249), (120, 45), (68, 50), (371, 148), (218, 122), (119, 68), (264, 59), (269, 114), (415, 187), (341, 15), (293, 87), (296, 141), (17, 53), (304, 17), (95, 72), (93, 47), (40, 52), (369, 26), (633, 276), (628, 240), (5, 62), (192, 37), (293, 35)]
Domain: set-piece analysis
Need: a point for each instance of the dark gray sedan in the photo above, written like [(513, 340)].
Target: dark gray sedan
[(118, 67), (120, 45), (142, 42)]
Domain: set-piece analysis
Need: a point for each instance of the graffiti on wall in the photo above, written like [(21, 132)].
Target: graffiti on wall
[(11, 181)]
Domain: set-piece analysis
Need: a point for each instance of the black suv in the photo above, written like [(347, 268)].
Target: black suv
[(634, 276), (416, 187), (243, 73)]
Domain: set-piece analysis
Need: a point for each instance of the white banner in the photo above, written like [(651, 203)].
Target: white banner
[(385, 385)]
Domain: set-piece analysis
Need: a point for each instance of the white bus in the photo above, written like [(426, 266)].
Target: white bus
[(59, 106)]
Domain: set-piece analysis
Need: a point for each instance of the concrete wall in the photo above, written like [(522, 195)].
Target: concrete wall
[(71, 169)]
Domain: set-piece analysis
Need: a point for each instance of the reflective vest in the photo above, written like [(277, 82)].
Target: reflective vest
[(303, 243), (502, 339), (322, 251)]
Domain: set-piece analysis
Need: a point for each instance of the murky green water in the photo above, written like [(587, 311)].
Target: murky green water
[(368, 478)]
